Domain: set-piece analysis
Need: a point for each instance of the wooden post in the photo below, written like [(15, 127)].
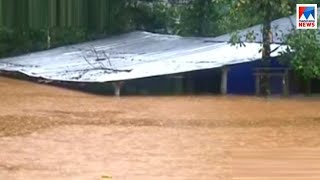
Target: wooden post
[(257, 85), (178, 84), (224, 80), (117, 88), (285, 83), (189, 84)]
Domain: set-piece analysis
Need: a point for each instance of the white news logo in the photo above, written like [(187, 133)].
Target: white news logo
[(306, 16)]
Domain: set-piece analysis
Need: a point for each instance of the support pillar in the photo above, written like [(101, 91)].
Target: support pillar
[(179, 84), (285, 83), (257, 85), (117, 88), (189, 84), (224, 80)]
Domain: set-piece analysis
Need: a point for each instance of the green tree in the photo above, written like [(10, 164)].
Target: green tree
[(303, 54), (152, 15), (264, 12), (30, 25), (201, 17)]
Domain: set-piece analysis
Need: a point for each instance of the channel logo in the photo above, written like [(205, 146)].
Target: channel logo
[(307, 16)]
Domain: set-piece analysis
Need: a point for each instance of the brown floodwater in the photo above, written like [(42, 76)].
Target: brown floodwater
[(52, 133)]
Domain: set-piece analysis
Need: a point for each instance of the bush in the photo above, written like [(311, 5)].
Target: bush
[(18, 41), (67, 35)]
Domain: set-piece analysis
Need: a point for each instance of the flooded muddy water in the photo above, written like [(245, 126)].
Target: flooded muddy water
[(52, 133)]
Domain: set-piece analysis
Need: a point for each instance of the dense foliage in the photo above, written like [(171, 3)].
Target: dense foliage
[(303, 53), (29, 25), (202, 18), (264, 12)]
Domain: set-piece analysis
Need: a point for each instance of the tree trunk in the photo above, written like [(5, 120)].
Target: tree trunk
[(267, 40), (202, 26)]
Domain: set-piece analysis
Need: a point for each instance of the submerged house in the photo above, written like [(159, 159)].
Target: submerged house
[(142, 62)]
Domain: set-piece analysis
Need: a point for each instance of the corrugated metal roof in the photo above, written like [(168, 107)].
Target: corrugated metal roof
[(130, 56)]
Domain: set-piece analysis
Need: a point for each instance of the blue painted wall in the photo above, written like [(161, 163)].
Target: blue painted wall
[(242, 81)]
